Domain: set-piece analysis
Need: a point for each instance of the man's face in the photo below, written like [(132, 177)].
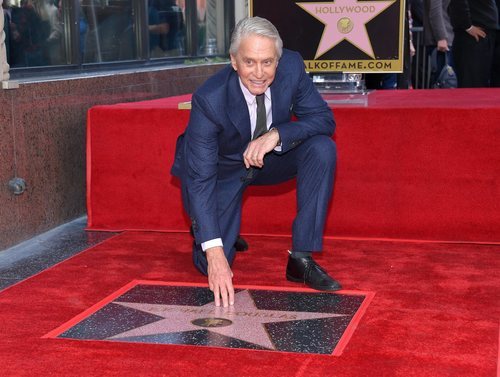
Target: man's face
[(256, 62)]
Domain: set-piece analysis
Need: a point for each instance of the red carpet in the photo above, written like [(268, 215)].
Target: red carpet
[(435, 313), (419, 164)]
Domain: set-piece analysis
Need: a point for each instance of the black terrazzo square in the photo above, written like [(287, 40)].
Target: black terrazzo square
[(262, 318)]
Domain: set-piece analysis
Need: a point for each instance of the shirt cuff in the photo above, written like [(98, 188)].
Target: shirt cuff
[(211, 243)]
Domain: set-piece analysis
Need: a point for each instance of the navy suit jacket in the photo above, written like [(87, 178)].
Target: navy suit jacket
[(209, 155)]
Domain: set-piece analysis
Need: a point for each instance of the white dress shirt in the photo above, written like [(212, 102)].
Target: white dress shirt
[(252, 111)]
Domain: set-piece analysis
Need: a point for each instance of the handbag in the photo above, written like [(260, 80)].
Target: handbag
[(447, 78)]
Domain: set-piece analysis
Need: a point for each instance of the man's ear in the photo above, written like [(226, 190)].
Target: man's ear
[(233, 62)]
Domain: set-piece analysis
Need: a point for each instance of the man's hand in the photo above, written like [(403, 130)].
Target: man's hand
[(258, 148), (477, 32), (220, 276), (442, 45)]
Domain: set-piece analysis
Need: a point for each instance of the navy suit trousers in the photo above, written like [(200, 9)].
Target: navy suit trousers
[(313, 164)]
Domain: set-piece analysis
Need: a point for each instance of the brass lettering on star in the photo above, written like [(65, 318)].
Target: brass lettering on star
[(266, 315), (194, 310), (256, 314), (345, 9)]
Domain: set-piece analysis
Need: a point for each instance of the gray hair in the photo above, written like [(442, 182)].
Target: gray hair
[(255, 26)]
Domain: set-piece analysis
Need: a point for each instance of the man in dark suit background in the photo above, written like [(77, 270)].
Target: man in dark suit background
[(241, 133), (476, 25)]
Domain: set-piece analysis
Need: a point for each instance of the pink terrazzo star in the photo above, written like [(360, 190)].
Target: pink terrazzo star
[(242, 321), (345, 20)]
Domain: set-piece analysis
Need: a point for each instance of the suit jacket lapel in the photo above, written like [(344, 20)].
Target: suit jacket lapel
[(237, 107), (281, 107)]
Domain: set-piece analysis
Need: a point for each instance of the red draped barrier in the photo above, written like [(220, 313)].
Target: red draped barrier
[(416, 164)]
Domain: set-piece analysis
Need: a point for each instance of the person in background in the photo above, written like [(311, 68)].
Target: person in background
[(158, 28), (475, 23), (438, 33), (83, 28), (28, 35), (53, 30), (495, 73), (166, 28), (6, 27), (416, 8)]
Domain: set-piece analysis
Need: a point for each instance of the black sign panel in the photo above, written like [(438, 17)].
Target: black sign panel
[(340, 35)]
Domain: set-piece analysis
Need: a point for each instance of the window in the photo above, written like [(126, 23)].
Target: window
[(36, 35), (166, 26), (107, 31), (58, 35)]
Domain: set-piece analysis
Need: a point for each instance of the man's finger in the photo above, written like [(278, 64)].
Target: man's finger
[(231, 296), (246, 159), (260, 159), (224, 295), (217, 296)]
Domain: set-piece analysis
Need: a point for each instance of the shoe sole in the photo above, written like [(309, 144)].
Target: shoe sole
[(295, 280)]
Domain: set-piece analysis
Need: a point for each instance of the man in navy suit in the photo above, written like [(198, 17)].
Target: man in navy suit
[(241, 133)]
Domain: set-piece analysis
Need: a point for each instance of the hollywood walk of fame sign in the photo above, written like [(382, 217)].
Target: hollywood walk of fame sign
[(340, 35), (261, 319)]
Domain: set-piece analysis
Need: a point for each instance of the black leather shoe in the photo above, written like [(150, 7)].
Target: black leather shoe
[(241, 244), (307, 271)]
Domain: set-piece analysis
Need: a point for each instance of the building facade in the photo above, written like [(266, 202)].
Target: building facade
[(61, 57)]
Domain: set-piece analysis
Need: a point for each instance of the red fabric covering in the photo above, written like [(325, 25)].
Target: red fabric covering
[(435, 312), (412, 165)]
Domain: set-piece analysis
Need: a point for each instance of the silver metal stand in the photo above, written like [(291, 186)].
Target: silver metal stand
[(342, 88)]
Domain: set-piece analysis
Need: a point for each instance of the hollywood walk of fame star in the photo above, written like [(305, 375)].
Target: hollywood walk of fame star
[(243, 321), (345, 20)]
